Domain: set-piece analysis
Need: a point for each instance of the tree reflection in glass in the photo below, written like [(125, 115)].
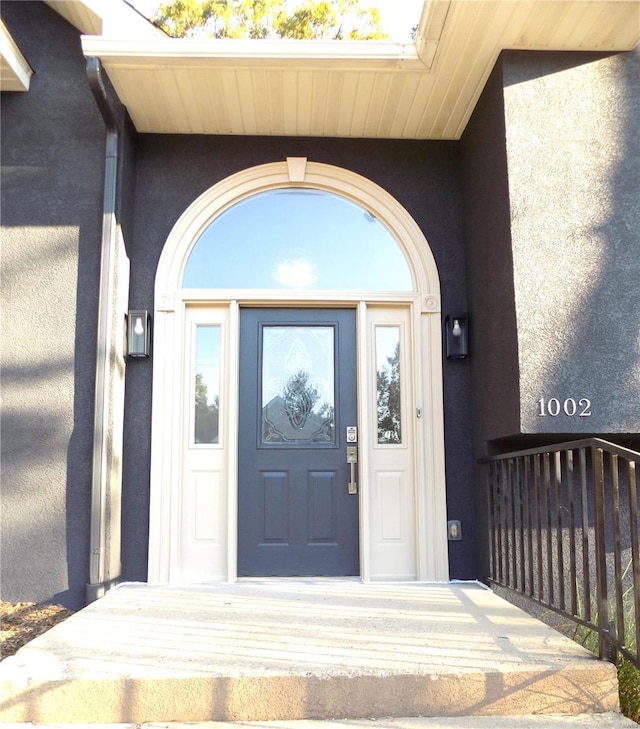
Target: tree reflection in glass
[(388, 385), (297, 385), (207, 385)]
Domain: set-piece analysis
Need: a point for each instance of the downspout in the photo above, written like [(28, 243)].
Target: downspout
[(100, 476)]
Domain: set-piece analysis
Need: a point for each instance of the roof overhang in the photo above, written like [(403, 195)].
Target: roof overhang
[(422, 90), (92, 17), (114, 18)]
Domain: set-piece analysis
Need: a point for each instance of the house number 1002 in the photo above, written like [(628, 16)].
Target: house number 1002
[(570, 407)]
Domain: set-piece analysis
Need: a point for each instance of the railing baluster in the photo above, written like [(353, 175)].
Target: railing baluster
[(537, 485), (513, 494), (557, 473), (530, 560), (635, 548), (572, 534), (547, 492), (601, 557), (617, 552), (506, 493), (499, 486), (493, 557), (521, 495), (586, 562)]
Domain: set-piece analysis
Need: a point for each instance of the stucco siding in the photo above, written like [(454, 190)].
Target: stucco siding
[(572, 125), (489, 261), (52, 161)]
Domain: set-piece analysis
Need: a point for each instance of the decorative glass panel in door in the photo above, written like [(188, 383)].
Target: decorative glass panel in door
[(298, 385), (297, 396)]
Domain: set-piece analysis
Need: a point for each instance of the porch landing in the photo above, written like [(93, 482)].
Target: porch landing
[(261, 650)]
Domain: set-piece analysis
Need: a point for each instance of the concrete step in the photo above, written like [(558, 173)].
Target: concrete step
[(609, 720), (291, 650)]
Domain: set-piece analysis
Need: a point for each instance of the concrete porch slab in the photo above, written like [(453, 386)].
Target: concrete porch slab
[(261, 650)]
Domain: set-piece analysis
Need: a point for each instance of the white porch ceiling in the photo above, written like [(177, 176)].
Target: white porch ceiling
[(425, 90)]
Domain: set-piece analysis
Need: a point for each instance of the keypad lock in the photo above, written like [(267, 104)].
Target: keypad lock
[(352, 459)]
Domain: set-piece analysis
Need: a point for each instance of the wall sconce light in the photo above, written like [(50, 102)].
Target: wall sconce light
[(138, 334), (456, 327), (454, 530)]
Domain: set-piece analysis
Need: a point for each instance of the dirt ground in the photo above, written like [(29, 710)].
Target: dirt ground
[(23, 621)]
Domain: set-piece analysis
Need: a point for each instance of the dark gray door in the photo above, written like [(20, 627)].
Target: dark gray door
[(297, 397)]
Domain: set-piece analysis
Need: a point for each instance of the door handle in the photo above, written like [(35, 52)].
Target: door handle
[(352, 459)]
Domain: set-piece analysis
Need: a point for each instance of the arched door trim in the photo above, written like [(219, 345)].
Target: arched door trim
[(170, 302)]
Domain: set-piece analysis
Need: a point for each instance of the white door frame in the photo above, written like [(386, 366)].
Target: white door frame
[(168, 364)]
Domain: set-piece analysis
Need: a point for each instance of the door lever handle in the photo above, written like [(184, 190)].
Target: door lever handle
[(352, 459)]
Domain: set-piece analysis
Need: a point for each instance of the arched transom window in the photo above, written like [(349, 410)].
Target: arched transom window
[(297, 238)]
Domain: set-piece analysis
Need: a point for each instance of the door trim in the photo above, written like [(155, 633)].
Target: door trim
[(168, 367)]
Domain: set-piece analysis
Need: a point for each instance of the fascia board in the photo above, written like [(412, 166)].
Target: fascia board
[(179, 51), (430, 29)]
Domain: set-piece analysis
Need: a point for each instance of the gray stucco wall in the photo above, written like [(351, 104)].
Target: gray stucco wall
[(52, 161), (494, 348), (552, 227), (174, 170), (551, 182), (487, 222), (573, 126)]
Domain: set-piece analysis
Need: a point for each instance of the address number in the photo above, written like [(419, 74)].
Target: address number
[(554, 407)]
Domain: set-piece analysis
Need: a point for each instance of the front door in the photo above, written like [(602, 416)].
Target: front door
[(297, 514)]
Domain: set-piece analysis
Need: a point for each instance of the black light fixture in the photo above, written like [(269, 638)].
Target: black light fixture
[(138, 334), (456, 328)]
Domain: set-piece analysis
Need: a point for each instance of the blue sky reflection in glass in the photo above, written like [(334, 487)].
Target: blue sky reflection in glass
[(296, 238)]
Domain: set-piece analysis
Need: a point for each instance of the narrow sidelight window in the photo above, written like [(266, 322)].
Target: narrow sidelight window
[(207, 384), (388, 384)]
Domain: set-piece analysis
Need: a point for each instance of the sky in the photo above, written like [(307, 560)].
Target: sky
[(398, 16)]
